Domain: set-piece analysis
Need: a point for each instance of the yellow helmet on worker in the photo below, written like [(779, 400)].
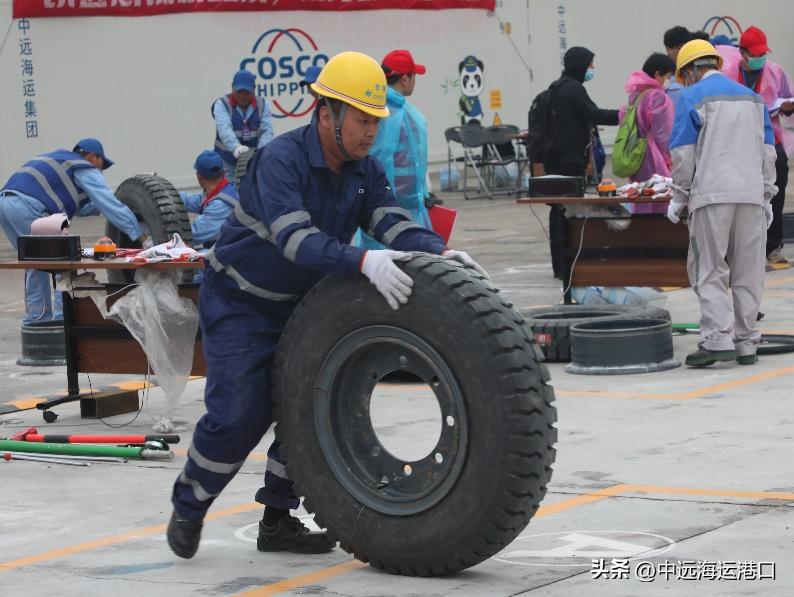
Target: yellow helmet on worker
[(355, 79), (694, 51)]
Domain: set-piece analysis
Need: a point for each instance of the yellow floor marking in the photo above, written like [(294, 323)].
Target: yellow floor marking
[(304, 579), (775, 282), (23, 403), (715, 389), (62, 552), (758, 495), (339, 569), (581, 500)]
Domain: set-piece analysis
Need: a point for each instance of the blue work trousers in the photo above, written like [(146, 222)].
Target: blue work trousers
[(17, 213), (240, 342)]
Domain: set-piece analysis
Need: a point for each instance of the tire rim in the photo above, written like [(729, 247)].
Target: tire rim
[(352, 450)]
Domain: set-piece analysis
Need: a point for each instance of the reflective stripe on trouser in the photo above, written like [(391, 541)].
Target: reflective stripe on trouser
[(239, 345), (277, 491), (726, 265)]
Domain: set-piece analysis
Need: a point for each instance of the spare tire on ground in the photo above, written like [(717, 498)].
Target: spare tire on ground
[(551, 326), (481, 484), (158, 207), (242, 166)]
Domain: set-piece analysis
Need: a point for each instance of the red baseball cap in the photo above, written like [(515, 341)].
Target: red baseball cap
[(754, 41), (400, 62)]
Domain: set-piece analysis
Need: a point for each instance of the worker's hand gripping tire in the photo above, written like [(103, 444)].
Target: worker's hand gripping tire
[(393, 283)]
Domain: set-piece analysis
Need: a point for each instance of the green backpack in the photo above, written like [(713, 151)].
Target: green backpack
[(629, 149)]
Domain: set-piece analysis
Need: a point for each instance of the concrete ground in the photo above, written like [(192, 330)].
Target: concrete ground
[(678, 481)]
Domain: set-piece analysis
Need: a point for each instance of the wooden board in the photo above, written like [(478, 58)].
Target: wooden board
[(645, 232), (86, 264), (630, 272)]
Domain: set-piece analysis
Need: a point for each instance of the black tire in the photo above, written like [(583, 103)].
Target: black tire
[(156, 203), (621, 347), (462, 338), (775, 344), (551, 326), (242, 166)]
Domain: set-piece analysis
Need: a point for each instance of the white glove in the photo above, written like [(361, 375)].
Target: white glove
[(147, 243), (673, 211), (465, 259), (241, 149), (393, 283), (768, 213)]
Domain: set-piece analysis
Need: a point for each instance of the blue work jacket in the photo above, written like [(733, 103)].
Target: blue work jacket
[(294, 222)]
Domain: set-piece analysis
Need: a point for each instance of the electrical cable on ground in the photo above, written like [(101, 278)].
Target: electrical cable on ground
[(575, 259)]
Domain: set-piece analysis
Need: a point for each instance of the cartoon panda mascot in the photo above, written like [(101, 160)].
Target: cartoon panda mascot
[(471, 86)]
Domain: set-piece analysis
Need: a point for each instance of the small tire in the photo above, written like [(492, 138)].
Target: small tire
[(551, 326), (242, 166), (621, 347), (157, 204), (470, 346)]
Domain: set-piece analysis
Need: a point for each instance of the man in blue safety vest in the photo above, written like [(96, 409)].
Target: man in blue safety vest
[(301, 201), (61, 181), (242, 121), (217, 199)]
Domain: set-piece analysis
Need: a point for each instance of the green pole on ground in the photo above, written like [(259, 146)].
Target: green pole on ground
[(83, 450), (686, 326)]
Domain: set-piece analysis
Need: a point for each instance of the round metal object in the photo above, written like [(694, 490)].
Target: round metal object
[(622, 347), (359, 461), (43, 344)]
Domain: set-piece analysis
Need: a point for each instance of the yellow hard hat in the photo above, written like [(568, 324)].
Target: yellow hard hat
[(694, 50), (357, 80)]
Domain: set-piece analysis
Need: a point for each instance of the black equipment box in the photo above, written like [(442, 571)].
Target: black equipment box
[(48, 248), (556, 186)]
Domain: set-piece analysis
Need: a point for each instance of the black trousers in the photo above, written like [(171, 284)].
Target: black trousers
[(557, 217), (774, 236)]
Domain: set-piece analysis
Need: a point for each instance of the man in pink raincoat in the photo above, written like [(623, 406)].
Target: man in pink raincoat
[(749, 66), (655, 113)]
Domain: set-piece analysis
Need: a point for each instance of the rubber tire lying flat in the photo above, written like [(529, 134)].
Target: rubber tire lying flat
[(622, 347), (776, 344), (156, 203), (551, 326), (242, 166), (504, 418)]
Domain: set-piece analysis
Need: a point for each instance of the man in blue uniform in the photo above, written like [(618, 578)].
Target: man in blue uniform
[(300, 203), (61, 181), (242, 121), (214, 204)]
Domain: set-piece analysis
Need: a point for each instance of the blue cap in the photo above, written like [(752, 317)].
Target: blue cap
[(721, 40), (209, 164), (311, 75), (90, 145), (243, 81)]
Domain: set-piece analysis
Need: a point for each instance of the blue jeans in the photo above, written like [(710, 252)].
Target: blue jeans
[(17, 213)]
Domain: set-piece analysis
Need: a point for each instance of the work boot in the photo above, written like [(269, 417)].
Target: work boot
[(747, 359), (183, 536), (704, 357), (290, 534)]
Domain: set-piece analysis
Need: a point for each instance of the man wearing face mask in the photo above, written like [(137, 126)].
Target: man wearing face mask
[(303, 197), (724, 171), (575, 114), (750, 66)]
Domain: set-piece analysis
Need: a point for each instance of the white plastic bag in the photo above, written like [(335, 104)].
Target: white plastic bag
[(163, 323)]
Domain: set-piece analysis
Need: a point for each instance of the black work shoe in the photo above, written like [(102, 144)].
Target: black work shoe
[(183, 536), (705, 358), (747, 359), (290, 534)]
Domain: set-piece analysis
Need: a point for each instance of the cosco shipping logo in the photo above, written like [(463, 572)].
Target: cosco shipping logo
[(279, 59), (727, 26)]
